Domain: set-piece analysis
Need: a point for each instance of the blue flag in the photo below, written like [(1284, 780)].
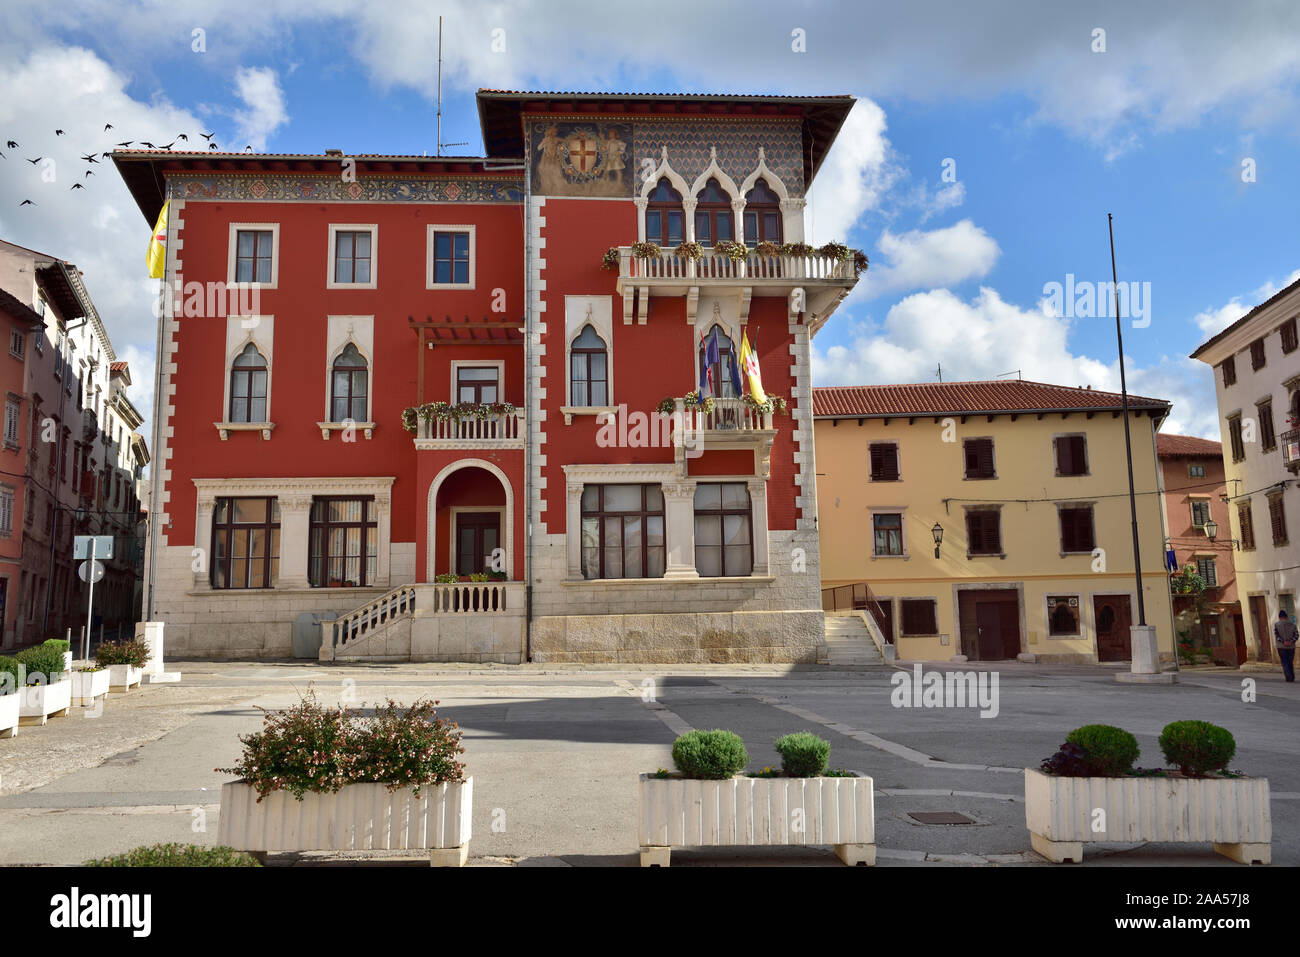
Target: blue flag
[(737, 389), (712, 355)]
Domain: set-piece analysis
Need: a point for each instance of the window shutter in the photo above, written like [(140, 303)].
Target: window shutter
[(884, 462), (1277, 519)]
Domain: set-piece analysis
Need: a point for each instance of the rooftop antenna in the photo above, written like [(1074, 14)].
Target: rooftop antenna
[(441, 144), (939, 371), (1014, 372)]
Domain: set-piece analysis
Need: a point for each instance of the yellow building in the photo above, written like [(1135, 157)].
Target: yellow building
[(1027, 487)]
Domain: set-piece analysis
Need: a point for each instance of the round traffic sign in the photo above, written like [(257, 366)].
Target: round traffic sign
[(98, 572)]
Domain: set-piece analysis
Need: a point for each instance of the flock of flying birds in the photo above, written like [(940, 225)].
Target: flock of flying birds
[(91, 158)]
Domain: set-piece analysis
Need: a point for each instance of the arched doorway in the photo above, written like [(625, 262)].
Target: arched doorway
[(470, 521)]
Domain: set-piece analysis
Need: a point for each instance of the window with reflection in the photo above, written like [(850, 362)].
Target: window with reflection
[(245, 542), (713, 221), (665, 219), (344, 542), (724, 530), (622, 531), (762, 215), (349, 386), (248, 386), (589, 365)]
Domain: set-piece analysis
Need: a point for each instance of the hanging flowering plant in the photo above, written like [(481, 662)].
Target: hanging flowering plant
[(837, 251), (691, 251), (442, 411), (693, 398), (766, 248), (796, 249), (646, 250), (860, 263), (666, 406), (731, 249), (774, 403), (610, 259)]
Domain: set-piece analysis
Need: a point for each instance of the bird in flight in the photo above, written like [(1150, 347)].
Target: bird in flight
[(12, 145), (76, 186), (182, 136), (90, 158), (107, 127), (126, 144), (146, 144), (207, 136), (167, 146), (35, 161), (212, 146), (58, 132), (90, 172), (27, 202), (106, 155)]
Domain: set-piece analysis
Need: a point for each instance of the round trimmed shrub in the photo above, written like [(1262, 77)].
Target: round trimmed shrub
[(711, 755), (59, 644), (8, 674), (42, 659), (1109, 752), (177, 855), (1197, 747), (803, 754)]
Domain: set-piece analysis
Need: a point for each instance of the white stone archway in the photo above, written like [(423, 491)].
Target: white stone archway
[(431, 523)]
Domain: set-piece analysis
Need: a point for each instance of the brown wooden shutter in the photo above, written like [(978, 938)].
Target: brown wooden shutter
[(919, 616), (1247, 523), (1234, 436), (979, 458), (884, 462), (983, 534), (1229, 368), (1277, 519), (1070, 455)]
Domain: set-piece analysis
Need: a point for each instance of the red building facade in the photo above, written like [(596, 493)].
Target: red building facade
[(443, 404)]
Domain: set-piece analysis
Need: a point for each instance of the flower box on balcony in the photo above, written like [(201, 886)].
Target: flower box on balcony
[(1231, 813), (748, 811), (39, 702), (357, 817)]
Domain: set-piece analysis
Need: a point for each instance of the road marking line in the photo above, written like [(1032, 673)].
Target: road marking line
[(674, 721)]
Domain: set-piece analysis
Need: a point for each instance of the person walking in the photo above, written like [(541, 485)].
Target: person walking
[(1284, 636)]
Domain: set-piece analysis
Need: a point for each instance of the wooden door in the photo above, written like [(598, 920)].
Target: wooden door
[(990, 623), (478, 535), (988, 620), (1113, 618), (1263, 633), (1239, 632)]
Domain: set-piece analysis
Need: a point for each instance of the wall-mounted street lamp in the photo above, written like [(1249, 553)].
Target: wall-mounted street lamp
[(937, 532), (1212, 532)]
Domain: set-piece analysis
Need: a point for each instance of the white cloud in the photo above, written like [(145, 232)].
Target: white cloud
[(855, 175), (259, 89), (930, 258), (1213, 321), (987, 338), (940, 201)]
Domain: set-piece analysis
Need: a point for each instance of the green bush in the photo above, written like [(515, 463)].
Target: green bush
[(61, 645), (178, 855), (8, 674), (309, 747), (1109, 751), (1197, 748), (711, 755), (129, 651), (803, 754), (42, 659)]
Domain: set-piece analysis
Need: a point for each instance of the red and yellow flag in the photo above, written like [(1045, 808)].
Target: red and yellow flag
[(156, 257), (749, 363)]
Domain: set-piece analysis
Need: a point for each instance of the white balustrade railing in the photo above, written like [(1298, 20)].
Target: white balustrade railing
[(507, 428), (669, 265), (469, 598), (397, 603), (727, 415)]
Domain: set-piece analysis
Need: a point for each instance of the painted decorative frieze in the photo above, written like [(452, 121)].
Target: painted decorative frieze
[(581, 158), (268, 187)]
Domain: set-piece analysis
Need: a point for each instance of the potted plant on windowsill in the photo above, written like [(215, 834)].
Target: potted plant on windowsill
[(709, 803), (326, 779), (44, 689), (125, 661), (1090, 791)]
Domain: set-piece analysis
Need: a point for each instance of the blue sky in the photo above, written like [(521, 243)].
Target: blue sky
[(1046, 133)]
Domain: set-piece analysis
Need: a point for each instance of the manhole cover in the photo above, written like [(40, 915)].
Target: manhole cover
[(939, 817)]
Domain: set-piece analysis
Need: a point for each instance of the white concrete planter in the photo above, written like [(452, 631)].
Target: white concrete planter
[(88, 687), (124, 677), (359, 817), (1230, 813), (9, 715), (745, 812), (36, 703)]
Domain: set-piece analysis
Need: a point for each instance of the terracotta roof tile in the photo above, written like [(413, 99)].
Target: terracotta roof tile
[(966, 398), (1184, 446)]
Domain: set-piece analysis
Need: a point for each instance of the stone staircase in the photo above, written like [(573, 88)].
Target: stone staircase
[(848, 643)]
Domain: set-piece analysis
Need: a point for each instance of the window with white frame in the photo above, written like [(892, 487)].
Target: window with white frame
[(248, 379), (17, 339), (254, 254), (352, 256), (6, 511), (349, 386), (724, 530), (588, 370), (450, 257)]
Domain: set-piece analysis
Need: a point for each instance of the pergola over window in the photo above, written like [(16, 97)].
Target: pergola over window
[(665, 219)]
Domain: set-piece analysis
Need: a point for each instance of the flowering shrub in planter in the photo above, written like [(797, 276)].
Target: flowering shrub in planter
[(317, 778), (692, 251), (646, 250), (708, 802), (611, 258), (773, 403), (1202, 801), (736, 252), (125, 661)]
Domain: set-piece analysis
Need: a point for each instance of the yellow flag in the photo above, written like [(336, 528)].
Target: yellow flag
[(749, 363), (156, 257)]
